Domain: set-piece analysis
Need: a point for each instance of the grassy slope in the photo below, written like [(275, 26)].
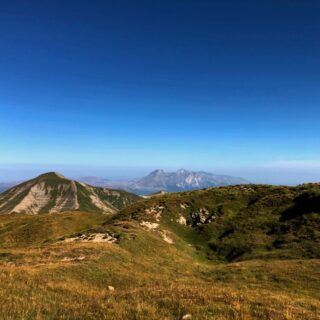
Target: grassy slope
[(40, 279), (118, 198), (156, 281), (20, 230), (248, 222)]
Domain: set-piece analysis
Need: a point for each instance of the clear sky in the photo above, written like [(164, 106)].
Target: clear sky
[(120, 87)]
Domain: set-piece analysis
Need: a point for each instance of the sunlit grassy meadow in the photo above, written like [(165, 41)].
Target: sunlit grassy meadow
[(151, 280)]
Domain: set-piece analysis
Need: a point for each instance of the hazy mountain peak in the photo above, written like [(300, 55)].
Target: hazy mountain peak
[(157, 172), (160, 179), (181, 171), (180, 180)]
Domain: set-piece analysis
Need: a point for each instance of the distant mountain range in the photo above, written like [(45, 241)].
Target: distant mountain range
[(160, 180), (51, 193)]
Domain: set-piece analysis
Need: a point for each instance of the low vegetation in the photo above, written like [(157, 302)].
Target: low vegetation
[(244, 252)]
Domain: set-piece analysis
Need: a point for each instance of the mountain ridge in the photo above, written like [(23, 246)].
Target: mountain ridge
[(180, 180), (52, 192)]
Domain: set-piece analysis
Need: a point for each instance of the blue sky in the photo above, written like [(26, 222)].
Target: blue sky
[(117, 88)]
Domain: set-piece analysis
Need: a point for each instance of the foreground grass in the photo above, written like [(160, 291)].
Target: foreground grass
[(42, 277), (70, 281)]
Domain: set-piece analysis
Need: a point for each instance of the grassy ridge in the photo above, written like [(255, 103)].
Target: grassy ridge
[(242, 222)]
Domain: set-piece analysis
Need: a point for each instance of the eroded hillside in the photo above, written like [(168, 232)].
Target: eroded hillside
[(52, 192)]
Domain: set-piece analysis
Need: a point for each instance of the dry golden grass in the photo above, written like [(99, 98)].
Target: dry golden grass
[(70, 281), (43, 278)]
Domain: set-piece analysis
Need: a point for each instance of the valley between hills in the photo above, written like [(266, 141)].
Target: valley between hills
[(69, 250)]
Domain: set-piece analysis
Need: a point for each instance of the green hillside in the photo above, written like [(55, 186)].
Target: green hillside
[(243, 252), (237, 223)]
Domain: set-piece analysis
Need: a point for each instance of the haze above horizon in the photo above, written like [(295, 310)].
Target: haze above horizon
[(120, 88)]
